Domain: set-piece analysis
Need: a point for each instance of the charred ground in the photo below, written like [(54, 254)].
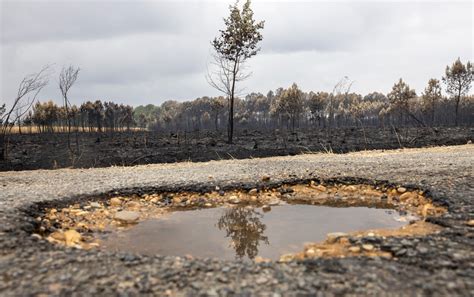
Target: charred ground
[(49, 151)]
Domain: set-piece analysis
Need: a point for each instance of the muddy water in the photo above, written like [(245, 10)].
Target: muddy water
[(244, 233)]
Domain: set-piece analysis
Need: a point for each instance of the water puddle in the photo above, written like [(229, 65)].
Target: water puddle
[(245, 232)]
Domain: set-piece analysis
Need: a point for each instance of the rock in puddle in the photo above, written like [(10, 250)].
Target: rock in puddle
[(127, 216)]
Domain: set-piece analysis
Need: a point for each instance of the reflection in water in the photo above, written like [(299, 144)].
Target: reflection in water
[(244, 228), (251, 232)]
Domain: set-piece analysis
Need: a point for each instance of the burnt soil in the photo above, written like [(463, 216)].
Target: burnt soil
[(439, 264), (50, 151)]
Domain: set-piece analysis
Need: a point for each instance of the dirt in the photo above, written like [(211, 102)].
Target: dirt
[(49, 151)]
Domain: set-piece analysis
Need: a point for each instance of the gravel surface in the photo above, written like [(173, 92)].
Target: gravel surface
[(440, 264)]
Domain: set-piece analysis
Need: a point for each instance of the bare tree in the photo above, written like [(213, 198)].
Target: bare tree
[(236, 44), (343, 86), (28, 90), (67, 78)]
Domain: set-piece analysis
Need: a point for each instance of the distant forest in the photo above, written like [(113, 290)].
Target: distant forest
[(289, 108)]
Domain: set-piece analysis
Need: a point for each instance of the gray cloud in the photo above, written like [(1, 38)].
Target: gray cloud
[(146, 52)]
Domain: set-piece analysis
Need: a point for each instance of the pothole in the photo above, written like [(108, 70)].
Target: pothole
[(283, 223)]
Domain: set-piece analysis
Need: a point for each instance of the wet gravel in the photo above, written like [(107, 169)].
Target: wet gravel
[(440, 264)]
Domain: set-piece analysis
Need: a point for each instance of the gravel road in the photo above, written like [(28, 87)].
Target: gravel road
[(440, 264)]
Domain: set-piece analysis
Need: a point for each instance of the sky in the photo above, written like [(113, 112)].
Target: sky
[(140, 52)]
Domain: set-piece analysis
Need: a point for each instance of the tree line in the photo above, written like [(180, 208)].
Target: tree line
[(87, 117), (292, 108)]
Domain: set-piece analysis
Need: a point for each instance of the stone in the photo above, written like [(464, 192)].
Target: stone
[(333, 237), (72, 237), (126, 216), (407, 195), (81, 213), (286, 258), (266, 208), (253, 192), (401, 190), (95, 205), (470, 223), (310, 253), (115, 201), (176, 200), (133, 204), (367, 247), (265, 178), (354, 249), (234, 200), (208, 205), (36, 236)]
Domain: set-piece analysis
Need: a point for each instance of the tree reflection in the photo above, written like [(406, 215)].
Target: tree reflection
[(244, 228)]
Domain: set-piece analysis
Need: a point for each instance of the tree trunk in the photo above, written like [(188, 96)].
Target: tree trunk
[(458, 98), (230, 131)]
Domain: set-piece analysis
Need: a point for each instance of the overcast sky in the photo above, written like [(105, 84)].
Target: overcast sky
[(140, 52)]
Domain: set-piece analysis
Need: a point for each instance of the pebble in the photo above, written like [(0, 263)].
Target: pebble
[(234, 200), (266, 208), (95, 205), (71, 237), (127, 216), (310, 253), (265, 178), (407, 195), (208, 205), (36, 236), (354, 249), (368, 247), (401, 190), (115, 201), (470, 223), (253, 192), (133, 204), (333, 237)]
